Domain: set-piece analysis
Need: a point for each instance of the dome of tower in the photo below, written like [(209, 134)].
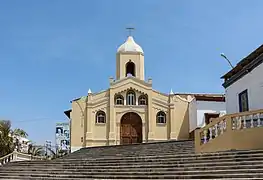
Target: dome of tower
[(130, 46)]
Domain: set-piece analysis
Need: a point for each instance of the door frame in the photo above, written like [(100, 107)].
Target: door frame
[(138, 126)]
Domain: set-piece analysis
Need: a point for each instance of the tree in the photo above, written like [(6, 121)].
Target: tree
[(6, 139), (20, 132), (35, 151), (56, 154)]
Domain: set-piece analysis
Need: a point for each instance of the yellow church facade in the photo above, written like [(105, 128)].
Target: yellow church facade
[(130, 110)]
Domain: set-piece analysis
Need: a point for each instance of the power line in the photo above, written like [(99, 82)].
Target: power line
[(36, 120)]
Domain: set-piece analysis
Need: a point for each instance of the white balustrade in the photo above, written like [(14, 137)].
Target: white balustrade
[(16, 156), (6, 159), (245, 120)]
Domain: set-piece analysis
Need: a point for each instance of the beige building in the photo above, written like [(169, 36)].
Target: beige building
[(130, 110)]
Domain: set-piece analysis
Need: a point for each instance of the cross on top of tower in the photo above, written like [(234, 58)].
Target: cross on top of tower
[(130, 29)]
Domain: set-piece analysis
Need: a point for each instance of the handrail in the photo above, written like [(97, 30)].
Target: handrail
[(7, 158), (1, 158)]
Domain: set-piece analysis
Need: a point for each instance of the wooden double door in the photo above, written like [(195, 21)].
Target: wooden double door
[(131, 128)]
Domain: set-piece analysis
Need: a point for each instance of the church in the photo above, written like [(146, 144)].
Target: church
[(130, 110)]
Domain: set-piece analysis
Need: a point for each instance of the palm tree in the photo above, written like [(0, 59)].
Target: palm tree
[(20, 132), (56, 154), (35, 151), (6, 139)]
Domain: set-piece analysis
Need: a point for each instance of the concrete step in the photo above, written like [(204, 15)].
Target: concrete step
[(82, 170), (133, 161), (231, 164), (168, 160), (193, 156), (143, 175), (127, 154), (185, 157), (221, 154)]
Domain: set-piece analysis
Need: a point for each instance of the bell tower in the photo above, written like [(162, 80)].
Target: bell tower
[(130, 60)]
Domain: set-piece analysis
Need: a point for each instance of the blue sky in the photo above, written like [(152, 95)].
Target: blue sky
[(54, 51)]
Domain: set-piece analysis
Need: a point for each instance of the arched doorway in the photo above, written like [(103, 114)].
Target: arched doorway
[(131, 128)]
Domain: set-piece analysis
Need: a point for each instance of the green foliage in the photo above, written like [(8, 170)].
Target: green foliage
[(35, 151), (6, 139), (57, 154), (20, 132)]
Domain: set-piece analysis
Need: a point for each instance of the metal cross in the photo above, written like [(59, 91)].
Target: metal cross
[(130, 29)]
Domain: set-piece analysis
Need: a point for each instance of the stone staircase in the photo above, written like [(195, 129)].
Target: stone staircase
[(163, 160)]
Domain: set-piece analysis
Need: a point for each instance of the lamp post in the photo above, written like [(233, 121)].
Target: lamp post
[(224, 56)]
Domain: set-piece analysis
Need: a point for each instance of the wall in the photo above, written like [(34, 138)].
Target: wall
[(179, 117), (192, 115), (77, 125), (160, 132), (97, 132), (208, 107), (197, 110), (252, 81)]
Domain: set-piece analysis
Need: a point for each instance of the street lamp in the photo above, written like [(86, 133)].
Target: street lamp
[(224, 56)]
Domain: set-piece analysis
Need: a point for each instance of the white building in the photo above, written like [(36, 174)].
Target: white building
[(203, 107), (23, 144), (244, 84)]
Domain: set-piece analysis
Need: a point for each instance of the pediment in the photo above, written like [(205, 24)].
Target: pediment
[(131, 82)]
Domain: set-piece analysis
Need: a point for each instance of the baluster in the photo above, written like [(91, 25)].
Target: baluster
[(216, 130), (244, 122), (239, 122), (210, 133), (205, 137), (258, 117), (221, 127), (234, 123), (251, 121)]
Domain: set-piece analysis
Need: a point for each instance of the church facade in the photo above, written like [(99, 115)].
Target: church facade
[(130, 110)]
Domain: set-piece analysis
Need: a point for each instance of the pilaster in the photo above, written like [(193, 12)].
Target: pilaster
[(112, 119), (150, 118), (173, 134)]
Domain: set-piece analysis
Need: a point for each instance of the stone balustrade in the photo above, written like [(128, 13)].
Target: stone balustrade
[(228, 124), (16, 156), (6, 159)]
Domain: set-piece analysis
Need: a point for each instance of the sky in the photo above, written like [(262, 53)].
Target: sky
[(52, 52)]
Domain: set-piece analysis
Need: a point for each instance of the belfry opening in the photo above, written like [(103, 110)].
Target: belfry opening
[(130, 69)]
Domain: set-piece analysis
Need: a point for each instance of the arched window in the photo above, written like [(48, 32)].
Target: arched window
[(130, 98), (161, 117), (119, 100), (142, 100), (100, 117), (130, 69)]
